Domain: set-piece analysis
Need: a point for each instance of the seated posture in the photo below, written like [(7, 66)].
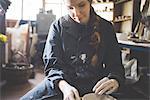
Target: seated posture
[(81, 56)]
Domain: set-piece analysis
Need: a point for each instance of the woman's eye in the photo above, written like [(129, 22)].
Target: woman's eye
[(69, 7), (81, 5)]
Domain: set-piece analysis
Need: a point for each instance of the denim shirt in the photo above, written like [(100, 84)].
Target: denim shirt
[(76, 52)]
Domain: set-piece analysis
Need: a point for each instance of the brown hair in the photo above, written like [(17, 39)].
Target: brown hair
[(90, 1)]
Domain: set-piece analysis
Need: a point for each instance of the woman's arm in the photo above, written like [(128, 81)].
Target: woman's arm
[(112, 57), (53, 54), (112, 60)]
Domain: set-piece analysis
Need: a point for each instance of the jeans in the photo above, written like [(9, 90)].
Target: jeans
[(40, 91)]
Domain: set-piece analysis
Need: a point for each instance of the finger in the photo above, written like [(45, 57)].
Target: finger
[(77, 97), (115, 86), (104, 90), (111, 90), (102, 86), (67, 98), (100, 82), (71, 97)]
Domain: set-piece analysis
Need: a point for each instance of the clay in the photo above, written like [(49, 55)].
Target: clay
[(93, 96)]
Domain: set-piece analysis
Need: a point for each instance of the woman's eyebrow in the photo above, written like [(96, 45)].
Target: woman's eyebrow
[(82, 2)]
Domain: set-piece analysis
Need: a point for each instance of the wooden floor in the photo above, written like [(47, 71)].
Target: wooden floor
[(15, 91)]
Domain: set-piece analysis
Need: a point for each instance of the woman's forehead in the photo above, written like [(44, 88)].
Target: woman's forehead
[(73, 2)]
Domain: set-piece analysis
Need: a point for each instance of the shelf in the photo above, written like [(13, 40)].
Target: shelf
[(105, 10), (102, 1), (121, 1), (121, 20), (126, 15)]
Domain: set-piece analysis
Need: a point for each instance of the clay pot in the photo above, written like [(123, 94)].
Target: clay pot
[(93, 96)]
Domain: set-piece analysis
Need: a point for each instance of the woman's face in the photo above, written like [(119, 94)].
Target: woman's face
[(79, 10)]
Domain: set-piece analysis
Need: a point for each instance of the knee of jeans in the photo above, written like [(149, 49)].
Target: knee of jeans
[(27, 98), (35, 93), (30, 96)]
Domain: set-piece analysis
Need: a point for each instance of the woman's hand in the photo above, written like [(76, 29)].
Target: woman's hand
[(69, 92), (106, 86)]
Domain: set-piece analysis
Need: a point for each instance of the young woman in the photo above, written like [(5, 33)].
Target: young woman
[(81, 55)]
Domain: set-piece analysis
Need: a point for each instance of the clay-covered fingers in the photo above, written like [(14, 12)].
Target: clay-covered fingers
[(106, 85), (103, 89), (115, 87), (69, 96), (76, 94), (72, 95), (99, 83), (69, 92)]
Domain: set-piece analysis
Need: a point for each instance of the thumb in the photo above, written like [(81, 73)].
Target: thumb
[(76, 93)]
